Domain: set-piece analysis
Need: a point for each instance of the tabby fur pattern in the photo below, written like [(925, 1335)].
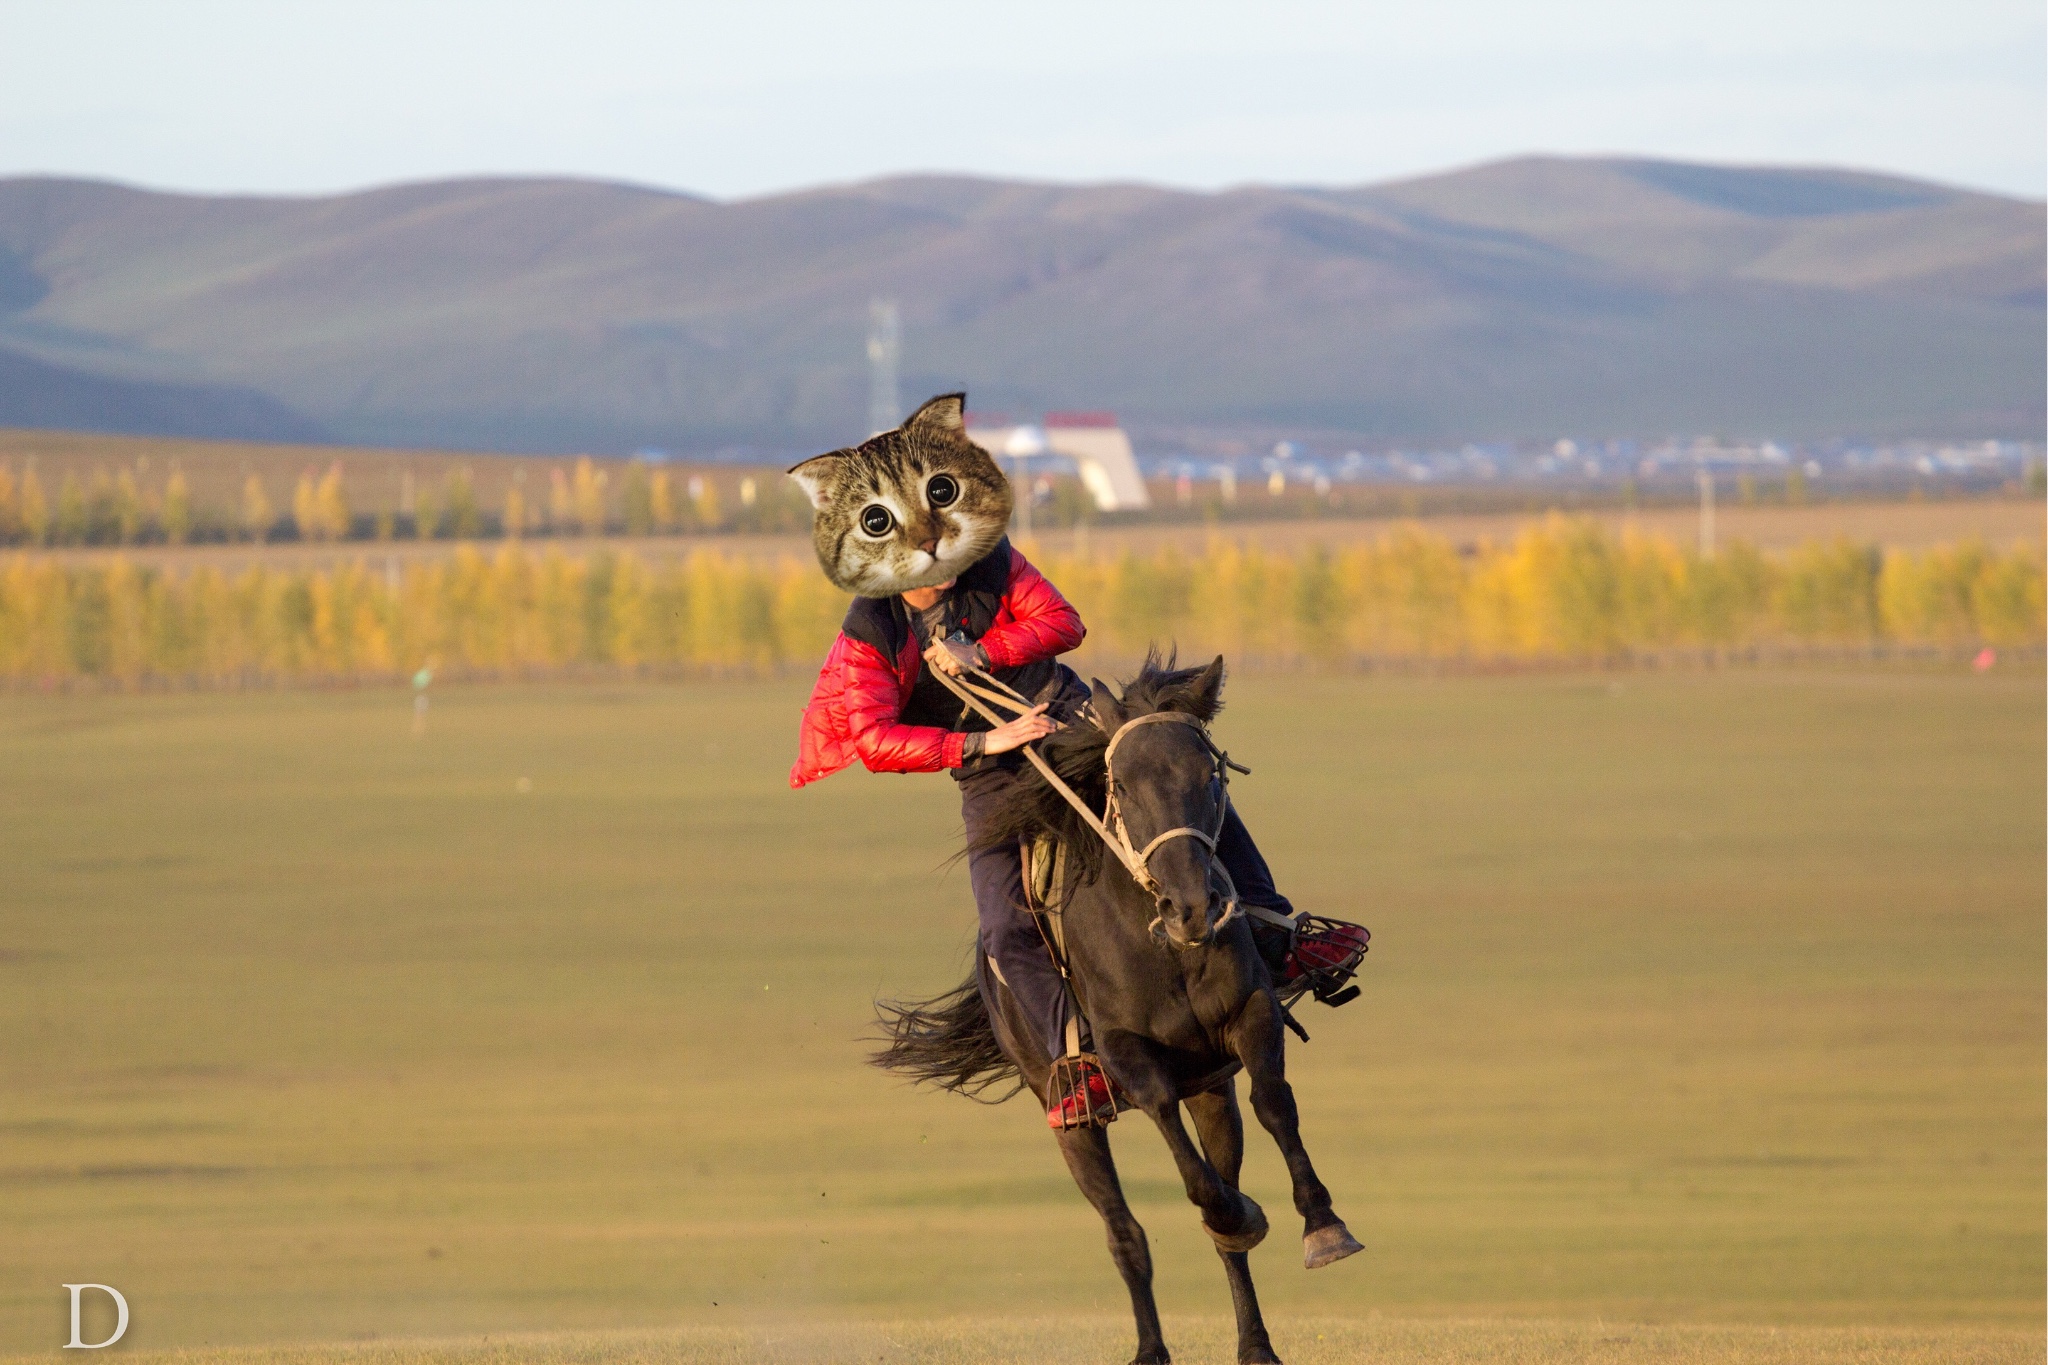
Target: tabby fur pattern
[(909, 508)]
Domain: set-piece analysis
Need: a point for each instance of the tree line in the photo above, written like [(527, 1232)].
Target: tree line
[(1561, 591), (583, 498)]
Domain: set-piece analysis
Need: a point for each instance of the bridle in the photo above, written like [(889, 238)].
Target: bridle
[(1139, 860), (1111, 825)]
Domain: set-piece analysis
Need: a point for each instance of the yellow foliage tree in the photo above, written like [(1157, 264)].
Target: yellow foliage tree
[(705, 512), (589, 497), (561, 502), (73, 523), (177, 513), (661, 498), (128, 508), (1828, 593), (2006, 597), (257, 514), (35, 508), (330, 505), (1561, 591), (637, 498), (306, 508)]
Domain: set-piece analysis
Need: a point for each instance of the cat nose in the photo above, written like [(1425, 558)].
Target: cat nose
[(930, 547)]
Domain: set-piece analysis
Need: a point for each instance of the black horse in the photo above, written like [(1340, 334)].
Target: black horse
[(1176, 993)]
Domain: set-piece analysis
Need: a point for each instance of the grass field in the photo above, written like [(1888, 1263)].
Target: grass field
[(1707, 1005)]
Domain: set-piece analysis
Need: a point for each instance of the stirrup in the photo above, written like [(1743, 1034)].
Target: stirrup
[(1340, 947), (1076, 1105)]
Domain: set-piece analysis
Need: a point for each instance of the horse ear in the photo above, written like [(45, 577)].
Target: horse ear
[(1203, 697), (1109, 712)]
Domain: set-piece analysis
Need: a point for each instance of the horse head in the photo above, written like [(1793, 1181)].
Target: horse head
[(1166, 794)]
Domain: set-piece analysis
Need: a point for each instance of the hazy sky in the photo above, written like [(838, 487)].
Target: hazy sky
[(743, 97)]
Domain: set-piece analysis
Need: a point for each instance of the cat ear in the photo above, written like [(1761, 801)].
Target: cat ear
[(947, 413), (818, 476)]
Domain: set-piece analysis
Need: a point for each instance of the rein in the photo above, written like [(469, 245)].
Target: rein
[(1111, 826)]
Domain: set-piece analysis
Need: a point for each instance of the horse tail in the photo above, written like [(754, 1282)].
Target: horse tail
[(947, 1041)]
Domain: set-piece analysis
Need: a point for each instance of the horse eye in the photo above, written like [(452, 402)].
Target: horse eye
[(942, 490), (875, 520)]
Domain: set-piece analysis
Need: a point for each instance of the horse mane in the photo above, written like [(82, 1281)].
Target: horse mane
[(1035, 807)]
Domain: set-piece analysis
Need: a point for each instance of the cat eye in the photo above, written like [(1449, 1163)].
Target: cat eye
[(875, 520), (942, 490)]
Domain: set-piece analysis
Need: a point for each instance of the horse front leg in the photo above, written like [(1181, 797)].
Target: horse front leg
[(1262, 1047), (1088, 1158), (1232, 1220), (1221, 1128)]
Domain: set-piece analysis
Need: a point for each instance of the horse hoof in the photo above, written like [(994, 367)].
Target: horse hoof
[(1241, 1241), (1325, 1245)]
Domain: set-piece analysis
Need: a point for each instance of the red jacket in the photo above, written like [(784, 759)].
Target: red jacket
[(855, 710)]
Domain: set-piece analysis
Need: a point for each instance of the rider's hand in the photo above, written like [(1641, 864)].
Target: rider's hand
[(1033, 724), (952, 658)]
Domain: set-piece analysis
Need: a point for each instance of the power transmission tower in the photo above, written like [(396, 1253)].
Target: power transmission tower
[(885, 348)]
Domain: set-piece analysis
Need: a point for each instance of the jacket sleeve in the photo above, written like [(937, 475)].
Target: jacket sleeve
[(874, 699), (1041, 625), (821, 747)]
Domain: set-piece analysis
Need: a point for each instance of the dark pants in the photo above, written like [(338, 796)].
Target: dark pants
[(1010, 936)]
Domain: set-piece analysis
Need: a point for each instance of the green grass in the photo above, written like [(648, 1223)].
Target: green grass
[(1693, 1000)]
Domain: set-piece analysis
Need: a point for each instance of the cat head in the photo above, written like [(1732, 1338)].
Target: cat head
[(909, 508)]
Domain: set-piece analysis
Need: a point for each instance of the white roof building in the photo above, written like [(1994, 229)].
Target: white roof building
[(1092, 440)]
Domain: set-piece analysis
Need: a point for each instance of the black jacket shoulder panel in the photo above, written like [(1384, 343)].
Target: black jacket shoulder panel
[(879, 623)]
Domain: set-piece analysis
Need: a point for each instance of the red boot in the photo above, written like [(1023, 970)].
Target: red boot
[(1088, 1099), (1323, 957), (1336, 948)]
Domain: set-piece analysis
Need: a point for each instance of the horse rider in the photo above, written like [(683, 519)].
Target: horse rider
[(877, 701)]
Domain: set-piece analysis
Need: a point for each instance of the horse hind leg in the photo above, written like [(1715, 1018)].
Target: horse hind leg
[(1220, 1126), (1263, 1049), (1089, 1161)]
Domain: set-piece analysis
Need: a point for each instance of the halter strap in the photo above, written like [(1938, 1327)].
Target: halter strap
[(1110, 826)]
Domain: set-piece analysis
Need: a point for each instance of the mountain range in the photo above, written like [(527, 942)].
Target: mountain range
[(1522, 299)]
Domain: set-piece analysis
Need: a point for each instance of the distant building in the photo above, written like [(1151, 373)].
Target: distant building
[(1093, 441)]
